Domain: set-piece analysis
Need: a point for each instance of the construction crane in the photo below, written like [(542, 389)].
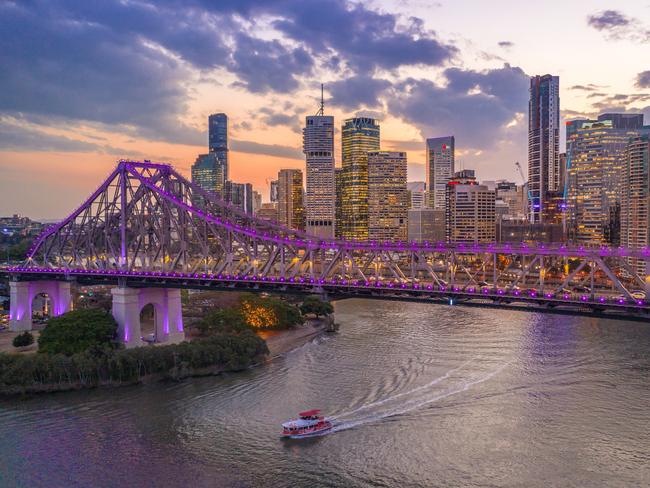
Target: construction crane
[(530, 195)]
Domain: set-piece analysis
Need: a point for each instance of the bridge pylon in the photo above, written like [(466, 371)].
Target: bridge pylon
[(22, 294)]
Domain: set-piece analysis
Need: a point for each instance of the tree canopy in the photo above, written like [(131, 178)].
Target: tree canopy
[(78, 331), (314, 305)]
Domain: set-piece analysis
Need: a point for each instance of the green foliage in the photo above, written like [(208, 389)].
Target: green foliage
[(78, 331), (23, 340), (313, 304), (105, 365), (223, 321), (285, 315)]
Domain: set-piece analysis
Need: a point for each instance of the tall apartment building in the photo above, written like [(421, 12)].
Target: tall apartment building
[(544, 173), (291, 210), (218, 139), (387, 196), (596, 160), (359, 136), (338, 183), (514, 197), (320, 196), (470, 212), (257, 201), (635, 199), (440, 167), (240, 195), (209, 172)]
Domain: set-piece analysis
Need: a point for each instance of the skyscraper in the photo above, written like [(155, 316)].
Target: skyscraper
[(338, 182), (320, 197), (387, 196), (635, 201), (209, 172), (544, 147), (359, 136), (218, 138), (273, 191), (291, 211), (240, 195), (596, 160), (439, 168), (470, 213)]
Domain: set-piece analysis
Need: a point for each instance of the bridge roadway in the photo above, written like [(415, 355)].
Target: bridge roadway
[(606, 303)]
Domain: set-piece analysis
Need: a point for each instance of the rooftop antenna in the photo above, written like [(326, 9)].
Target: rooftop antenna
[(321, 110)]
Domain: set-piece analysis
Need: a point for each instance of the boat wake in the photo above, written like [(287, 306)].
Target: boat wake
[(453, 382)]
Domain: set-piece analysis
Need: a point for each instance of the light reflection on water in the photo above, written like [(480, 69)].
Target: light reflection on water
[(423, 395)]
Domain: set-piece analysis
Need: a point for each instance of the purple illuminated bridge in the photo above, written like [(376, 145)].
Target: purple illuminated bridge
[(150, 232)]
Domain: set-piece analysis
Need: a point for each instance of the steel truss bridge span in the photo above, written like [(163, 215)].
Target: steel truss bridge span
[(149, 226)]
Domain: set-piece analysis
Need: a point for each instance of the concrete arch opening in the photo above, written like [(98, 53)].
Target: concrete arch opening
[(24, 295)]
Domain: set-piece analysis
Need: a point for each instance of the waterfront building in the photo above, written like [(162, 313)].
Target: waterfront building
[(596, 160), (240, 195), (387, 196), (544, 172), (291, 211), (359, 136), (273, 196), (440, 167), (470, 211), (209, 172), (417, 194), (635, 199), (426, 225), (218, 139), (268, 211), (320, 197)]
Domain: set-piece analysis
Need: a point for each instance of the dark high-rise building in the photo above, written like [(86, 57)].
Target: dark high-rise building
[(218, 138), (240, 195), (359, 136), (544, 173)]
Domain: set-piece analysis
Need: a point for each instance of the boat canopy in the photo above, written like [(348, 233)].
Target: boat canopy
[(309, 413)]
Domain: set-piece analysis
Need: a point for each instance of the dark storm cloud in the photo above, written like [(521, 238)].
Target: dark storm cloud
[(506, 44), (617, 25), (352, 93), (474, 106), (643, 79), (589, 87), (365, 38), (128, 65)]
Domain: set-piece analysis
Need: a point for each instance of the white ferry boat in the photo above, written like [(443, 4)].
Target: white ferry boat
[(309, 423)]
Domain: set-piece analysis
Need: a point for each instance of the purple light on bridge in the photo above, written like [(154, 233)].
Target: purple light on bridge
[(601, 299), (583, 298)]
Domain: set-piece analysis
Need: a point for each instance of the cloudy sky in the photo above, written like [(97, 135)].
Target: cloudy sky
[(85, 83)]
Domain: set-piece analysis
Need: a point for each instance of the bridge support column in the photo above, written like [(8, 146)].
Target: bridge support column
[(129, 302), (647, 279), (22, 294), (20, 315), (126, 311)]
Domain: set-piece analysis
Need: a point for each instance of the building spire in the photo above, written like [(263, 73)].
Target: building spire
[(321, 110)]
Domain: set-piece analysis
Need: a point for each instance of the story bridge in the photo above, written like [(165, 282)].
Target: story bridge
[(149, 232)]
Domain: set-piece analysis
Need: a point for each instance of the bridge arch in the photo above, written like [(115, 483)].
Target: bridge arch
[(23, 293)]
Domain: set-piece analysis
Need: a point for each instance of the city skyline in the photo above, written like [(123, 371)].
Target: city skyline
[(479, 94)]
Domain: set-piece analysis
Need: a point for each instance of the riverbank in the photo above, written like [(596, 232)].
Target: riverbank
[(281, 342)]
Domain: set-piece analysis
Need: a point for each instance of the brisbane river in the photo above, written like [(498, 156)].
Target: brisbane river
[(422, 395)]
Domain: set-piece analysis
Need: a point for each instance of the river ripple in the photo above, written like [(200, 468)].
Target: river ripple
[(423, 395)]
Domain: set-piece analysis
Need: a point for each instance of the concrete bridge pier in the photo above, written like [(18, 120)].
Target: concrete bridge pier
[(22, 294), (168, 316)]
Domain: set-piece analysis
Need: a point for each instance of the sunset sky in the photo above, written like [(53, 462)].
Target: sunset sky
[(83, 84)]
